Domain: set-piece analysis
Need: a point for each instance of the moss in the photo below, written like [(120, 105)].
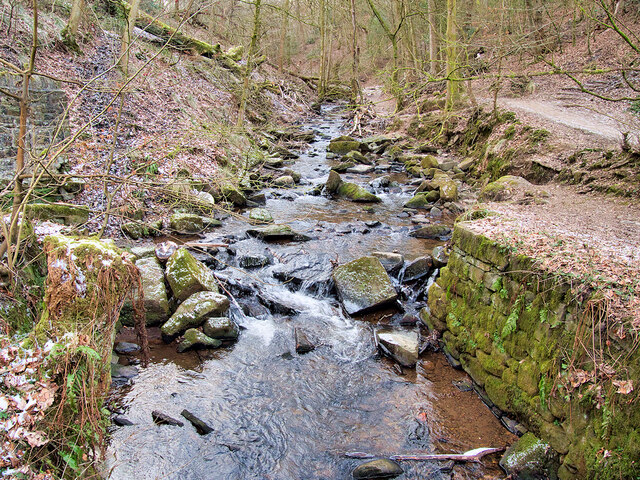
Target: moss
[(356, 193), (63, 213)]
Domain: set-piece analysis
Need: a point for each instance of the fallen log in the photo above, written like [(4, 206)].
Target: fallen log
[(471, 456)]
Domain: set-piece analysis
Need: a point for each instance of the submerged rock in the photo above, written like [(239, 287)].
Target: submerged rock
[(201, 427), (381, 468), (401, 345), (221, 328), (193, 311), (303, 343), (530, 458), (160, 418), (311, 269), (186, 275), (196, 339), (363, 285)]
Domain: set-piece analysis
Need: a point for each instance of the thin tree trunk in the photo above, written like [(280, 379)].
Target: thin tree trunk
[(250, 62), (452, 52), (128, 35), (433, 38), (70, 33), (355, 54), (323, 51), (283, 36)]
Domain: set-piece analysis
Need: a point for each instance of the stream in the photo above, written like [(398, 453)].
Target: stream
[(280, 415)]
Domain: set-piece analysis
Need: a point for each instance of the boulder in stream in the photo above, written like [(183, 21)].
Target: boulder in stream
[(196, 339), (273, 233), (221, 328), (401, 345), (186, 275), (363, 285), (356, 156), (381, 468), (189, 223), (392, 262), (438, 232), (356, 193), (417, 269), (343, 145), (530, 458), (156, 303), (260, 215), (193, 311)]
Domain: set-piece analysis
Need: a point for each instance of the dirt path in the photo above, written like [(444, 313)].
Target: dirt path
[(577, 118)]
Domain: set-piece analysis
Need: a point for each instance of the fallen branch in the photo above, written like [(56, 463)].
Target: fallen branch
[(470, 456)]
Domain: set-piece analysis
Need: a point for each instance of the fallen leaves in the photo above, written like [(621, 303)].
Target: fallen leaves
[(25, 396), (625, 387)]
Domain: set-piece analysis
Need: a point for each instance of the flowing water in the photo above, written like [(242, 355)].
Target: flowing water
[(280, 415)]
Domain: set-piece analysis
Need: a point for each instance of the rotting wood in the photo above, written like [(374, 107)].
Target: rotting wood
[(471, 456)]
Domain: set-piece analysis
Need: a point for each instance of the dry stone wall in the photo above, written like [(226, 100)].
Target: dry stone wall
[(48, 103), (521, 335)]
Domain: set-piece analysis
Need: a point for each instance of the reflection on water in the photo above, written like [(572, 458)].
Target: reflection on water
[(279, 415)]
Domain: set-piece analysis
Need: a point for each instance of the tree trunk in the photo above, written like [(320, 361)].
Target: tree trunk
[(283, 36), (70, 33), (355, 57), (323, 51), (127, 35), (433, 38), (250, 62), (452, 52)]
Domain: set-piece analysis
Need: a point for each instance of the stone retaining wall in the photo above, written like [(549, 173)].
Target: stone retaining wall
[(48, 102), (519, 333)]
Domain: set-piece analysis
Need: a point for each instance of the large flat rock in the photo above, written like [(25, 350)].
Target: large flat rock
[(401, 345), (363, 285)]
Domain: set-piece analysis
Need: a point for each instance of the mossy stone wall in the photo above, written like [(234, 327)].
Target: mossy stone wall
[(514, 329)]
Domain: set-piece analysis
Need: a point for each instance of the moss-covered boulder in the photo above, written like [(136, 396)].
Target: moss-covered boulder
[(356, 193), (193, 312), (343, 145), (363, 285), (333, 182), (356, 157), (156, 302), (428, 161), (58, 212), (286, 181), (505, 188), (186, 275), (189, 223), (222, 328), (233, 195), (272, 233), (420, 200), (87, 282), (260, 215), (530, 458), (196, 339)]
